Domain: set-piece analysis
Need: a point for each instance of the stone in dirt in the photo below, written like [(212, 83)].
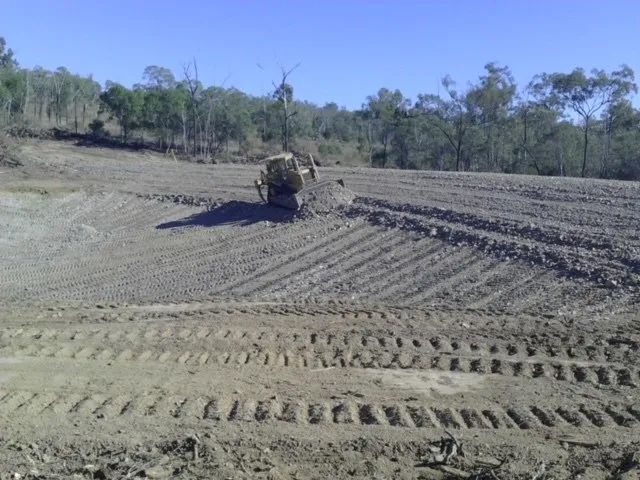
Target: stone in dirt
[(158, 472)]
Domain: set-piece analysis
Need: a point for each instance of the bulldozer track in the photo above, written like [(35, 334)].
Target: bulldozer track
[(408, 414), (340, 339), (575, 372), (610, 363)]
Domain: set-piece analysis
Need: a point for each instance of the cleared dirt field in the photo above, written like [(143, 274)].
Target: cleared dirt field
[(153, 312)]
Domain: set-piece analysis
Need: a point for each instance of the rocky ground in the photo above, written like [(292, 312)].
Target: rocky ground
[(158, 322)]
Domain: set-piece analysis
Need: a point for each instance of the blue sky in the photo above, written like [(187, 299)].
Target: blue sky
[(347, 49)]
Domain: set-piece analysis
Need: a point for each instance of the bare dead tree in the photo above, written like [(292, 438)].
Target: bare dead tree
[(264, 109), (211, 144), (284, 94), (193, 86)]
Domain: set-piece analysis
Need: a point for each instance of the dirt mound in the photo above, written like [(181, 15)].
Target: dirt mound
[(324, 198)]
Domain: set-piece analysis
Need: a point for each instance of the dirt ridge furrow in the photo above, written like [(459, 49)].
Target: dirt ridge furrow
[(623, 270)]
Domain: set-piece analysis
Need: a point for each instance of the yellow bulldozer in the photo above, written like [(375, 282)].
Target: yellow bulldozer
[(289, 178)]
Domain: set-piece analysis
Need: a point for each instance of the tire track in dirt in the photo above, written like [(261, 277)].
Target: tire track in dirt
[(466, 291), (434, 259), (171, 261), (364, 260), (432, 275), (265, 278), (460, 272), (325, 273), (204, 348), (232, 261), (525, 283), (599, 350), (410, 415), (395, 264)]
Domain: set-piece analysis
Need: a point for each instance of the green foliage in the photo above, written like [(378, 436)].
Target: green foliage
[(574, 123), (97, 130), (584, 95), (329, 149), (124, 105), (6, 56), (387, 113)]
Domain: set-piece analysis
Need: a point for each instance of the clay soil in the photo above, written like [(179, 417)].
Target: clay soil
[(157, 321)]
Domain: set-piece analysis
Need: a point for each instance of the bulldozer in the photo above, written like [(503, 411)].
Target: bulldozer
[(288, 179)]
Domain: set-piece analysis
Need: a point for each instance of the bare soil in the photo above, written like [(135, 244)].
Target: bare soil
[(157, 321)]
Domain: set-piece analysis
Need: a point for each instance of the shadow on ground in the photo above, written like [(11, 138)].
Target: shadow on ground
[(233, 213)]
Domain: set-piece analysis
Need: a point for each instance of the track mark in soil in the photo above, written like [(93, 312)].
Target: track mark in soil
[(407, 415)]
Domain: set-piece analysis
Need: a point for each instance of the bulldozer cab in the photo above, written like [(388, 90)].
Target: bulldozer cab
[(284, 169), (279, 164)]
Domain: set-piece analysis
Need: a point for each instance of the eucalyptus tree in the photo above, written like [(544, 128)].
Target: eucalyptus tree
[(387, 110), (13, 93), (164, 105), (453, 117), (621, 152), (84, 92), (584, 95), (124, 105), (492, 101)]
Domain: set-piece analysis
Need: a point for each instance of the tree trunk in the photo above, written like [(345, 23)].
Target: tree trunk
[(185, 145), (26, 96), (75, 114), (286, 119), (458, 154), (561, 169), (604, 169), (264, 120), (384, 154), (586, 143), (524, 142), (194, 132)]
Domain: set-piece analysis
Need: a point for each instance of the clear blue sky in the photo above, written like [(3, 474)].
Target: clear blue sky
[(348, 49)]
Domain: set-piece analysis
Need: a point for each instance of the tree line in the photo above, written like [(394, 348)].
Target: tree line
[(577, 123)]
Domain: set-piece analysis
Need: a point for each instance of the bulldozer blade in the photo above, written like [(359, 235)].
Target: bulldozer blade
[(290, 201)]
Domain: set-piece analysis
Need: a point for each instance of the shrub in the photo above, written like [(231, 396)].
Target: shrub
[(329, 149), (97, 130)]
